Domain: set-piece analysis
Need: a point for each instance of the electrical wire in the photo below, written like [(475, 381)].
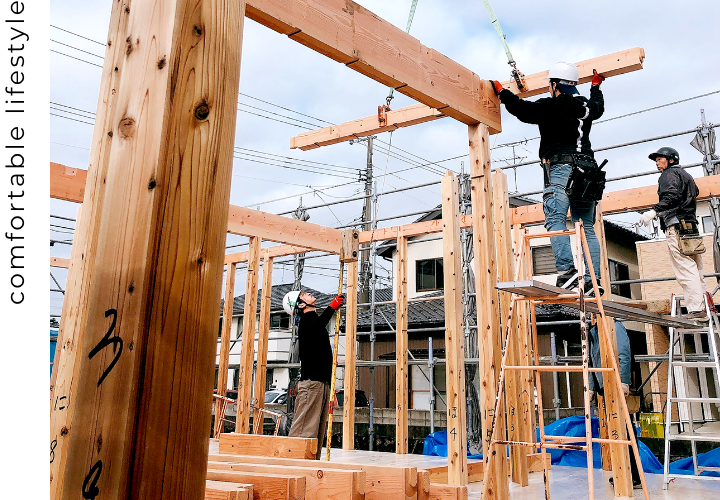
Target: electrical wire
[(75, 48), (80, 36), (76, 58), (73, 119)]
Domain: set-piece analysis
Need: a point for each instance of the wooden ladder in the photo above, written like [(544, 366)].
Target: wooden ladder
[(548, 294)]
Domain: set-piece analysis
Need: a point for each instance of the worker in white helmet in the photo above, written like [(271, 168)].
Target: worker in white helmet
[(568, 161)]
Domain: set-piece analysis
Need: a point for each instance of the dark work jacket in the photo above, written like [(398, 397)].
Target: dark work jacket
[(316, 355), (677, 193), (563, 120)]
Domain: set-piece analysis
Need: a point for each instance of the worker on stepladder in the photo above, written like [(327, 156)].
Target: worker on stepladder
[(596, 378), (677, 195), (316, 358), (564, 121)]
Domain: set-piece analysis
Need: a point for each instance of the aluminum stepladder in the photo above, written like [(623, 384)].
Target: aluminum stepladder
[(564, 442), (681, 365)]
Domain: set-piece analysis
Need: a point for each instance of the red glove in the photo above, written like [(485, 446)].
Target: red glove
[(597, 78), (497, 86), (337, 302)]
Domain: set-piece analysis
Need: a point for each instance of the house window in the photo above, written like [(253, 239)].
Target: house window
[(707, 224), (279, 321), (428, 275), (619, 272), (543, 260)]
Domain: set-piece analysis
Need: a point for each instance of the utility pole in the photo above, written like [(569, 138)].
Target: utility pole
[(367, 217), (711, 167)]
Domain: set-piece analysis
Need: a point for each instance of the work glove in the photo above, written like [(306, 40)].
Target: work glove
[(646, 217), (625, 389), (337, 302), (597, 78), (497, 86)]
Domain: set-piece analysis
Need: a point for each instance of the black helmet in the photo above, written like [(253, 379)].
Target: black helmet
[(669, 153)]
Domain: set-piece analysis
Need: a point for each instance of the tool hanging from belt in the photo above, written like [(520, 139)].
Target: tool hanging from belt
[(587, 178)]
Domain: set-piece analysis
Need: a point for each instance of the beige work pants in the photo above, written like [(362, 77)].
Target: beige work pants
[(688, 272), (311, 411)]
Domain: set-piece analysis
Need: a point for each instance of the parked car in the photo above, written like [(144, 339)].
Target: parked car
[(276, 397), (361, 400)]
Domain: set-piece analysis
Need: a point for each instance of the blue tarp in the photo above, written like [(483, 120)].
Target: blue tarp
[(436, 444)]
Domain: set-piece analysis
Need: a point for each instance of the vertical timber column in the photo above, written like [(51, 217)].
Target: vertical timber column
[(401, 347), (225, 338), (454, 335), (263, 338), (506, 272), (242, 421), (141, 328), (350, 356), (619, 455), (489, 338)]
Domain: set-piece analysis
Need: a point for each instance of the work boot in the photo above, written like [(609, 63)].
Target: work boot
[(697, 316), (568, 279), (637, 484), (590, 291)]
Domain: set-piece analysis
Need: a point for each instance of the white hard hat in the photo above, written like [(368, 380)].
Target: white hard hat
[(290, 300), (567, 73)]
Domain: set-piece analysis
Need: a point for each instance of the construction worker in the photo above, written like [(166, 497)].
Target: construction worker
[(596, 379), (677, 195), (564, 121), (313, 391)]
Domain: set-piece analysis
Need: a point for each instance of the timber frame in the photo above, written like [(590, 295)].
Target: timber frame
[(137, 337)]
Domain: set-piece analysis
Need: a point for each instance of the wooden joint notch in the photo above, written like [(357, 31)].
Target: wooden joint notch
[(349, 245)]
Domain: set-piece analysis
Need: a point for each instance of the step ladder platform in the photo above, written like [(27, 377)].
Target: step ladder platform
[(534, 288), (706, 432)]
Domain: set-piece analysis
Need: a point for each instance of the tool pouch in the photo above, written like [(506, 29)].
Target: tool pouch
[(587, 180), (546, 172), (689, 240)]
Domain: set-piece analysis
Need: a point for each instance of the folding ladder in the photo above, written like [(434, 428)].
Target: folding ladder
[(540, 293), (693, 352)]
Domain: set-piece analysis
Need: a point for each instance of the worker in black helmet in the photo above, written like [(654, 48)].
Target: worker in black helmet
[(564, 121), (677, 194)]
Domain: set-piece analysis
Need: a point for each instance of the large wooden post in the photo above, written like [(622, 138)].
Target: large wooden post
[(506, 272), (489, 337), (263, 338), (619, 454), (401, 347), (454, 335), (226, 330), (247, 349), (147, 273), (350, 356)]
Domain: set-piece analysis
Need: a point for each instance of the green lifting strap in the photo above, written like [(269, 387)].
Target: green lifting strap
[(407, 30), (496, 23)]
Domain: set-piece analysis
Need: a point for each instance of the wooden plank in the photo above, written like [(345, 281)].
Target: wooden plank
[(247, 349), (352, 35), (320, 482), (267, 253), (263, 337), (349, 246), (608, 65), (619, 201), (152, 235), (59, 262), (219, 490), (265, 486), (67, 183), (423, 485), (506, 272), (381, 481), (439, 475), (348, 440), (225, 333), (268, 446), (447, 492), (401, 343), (489, 339), (398, 118), (454, 336)]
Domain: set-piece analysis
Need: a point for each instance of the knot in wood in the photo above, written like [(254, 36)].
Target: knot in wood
[(152, 184), (320, 474), (197, 31), (202, 111), (161, 63), (99, 443), (127, 127), (64, 431)]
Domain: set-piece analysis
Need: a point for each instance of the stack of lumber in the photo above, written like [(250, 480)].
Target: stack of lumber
[(283, 468)]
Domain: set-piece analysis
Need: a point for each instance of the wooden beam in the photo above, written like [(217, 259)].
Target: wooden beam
[(263, 337), (489, 336), (395, 119), (320, 482), (448, 492), (225, 333), (619, 201), (265, 486), (67, 183), (454, 336), (219, 490), (352, 35), (59, 262), (268, 446), (267, 253), (401, 347), (149, 256), (247, 349), (608, 65), (348, 440)]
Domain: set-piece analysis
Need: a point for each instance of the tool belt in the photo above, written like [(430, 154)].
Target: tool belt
[(587, 179), (689, 240)]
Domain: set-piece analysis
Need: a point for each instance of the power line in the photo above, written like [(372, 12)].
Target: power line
[(70, 107), (73, 119), (286, 109), (297, 159), (80, 50), (73, 57), (80, 36)]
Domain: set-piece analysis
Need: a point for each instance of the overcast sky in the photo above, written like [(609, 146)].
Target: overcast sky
[(680, 39)]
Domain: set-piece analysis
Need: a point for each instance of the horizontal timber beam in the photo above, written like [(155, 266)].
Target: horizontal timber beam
[(59, 262), (609, 65), (352, 35)]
